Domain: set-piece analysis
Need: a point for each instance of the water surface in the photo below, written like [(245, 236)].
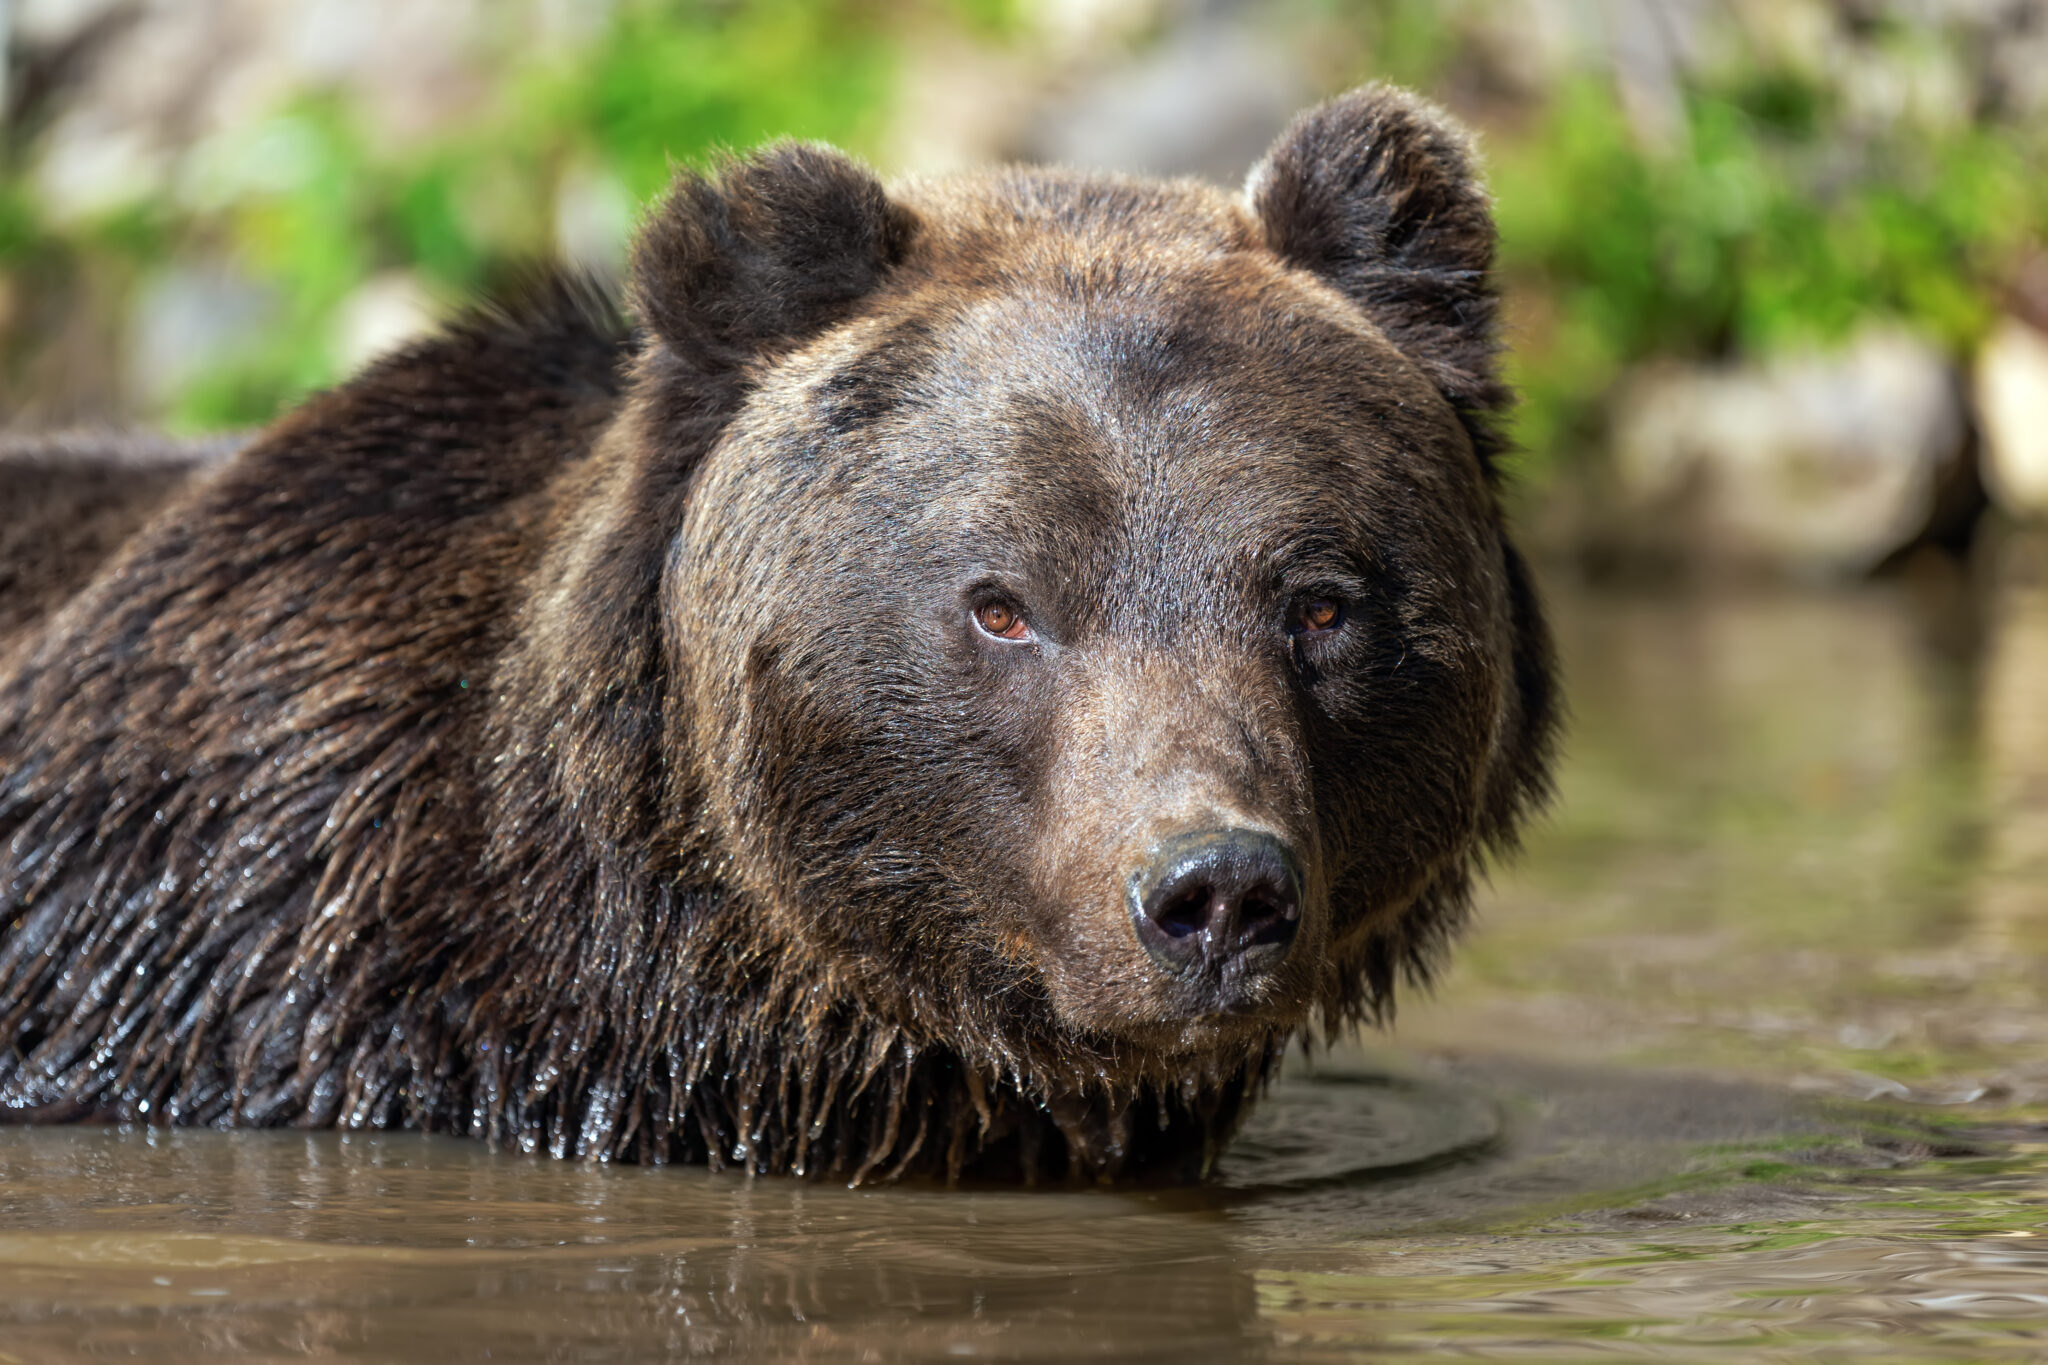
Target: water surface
[(1747, 1058)]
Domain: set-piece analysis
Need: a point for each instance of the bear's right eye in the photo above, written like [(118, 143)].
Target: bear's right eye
[(1002, 621), (1316, 617)]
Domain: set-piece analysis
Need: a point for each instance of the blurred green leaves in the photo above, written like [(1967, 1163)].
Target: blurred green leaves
[(312, 201), (672, 81), (664, 83), (1770, 222), (1777, 211)]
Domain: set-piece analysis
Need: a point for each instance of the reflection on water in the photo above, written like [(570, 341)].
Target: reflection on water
[(1797, 1292), (1801, 835), (401, 1247), (1802, 863), (2012, 900)]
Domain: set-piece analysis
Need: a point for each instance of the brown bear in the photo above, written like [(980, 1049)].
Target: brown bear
[(957, 685), (71, 499)]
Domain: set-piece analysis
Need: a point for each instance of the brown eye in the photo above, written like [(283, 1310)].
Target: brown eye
[(1319, 615), (1003, 622)]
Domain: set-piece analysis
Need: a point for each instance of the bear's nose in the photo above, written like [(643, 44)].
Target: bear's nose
[(1218, 903)]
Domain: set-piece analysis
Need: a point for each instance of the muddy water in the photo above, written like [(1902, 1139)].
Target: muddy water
[(1747, 1059)]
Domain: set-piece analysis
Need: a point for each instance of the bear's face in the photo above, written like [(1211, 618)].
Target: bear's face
[(1102, 615)]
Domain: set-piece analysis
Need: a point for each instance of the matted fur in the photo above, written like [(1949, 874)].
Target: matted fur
[(449, 758)]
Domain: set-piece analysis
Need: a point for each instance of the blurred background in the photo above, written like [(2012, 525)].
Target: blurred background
[(1777, 269), (1777, 301), (1777, 286)]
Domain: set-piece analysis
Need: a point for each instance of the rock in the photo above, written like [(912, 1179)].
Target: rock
[(1812, 463), (384, 313), (187, 320), (173, 73), (2011, 392), (593, 219), (1203, 100)]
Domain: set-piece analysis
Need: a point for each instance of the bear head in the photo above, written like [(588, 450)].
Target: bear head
[(1076, 618)]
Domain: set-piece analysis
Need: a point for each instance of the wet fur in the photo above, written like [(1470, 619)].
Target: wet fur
[(378, 781)]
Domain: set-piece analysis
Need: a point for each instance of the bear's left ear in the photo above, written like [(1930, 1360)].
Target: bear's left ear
[(763, 251), (1377, 193)]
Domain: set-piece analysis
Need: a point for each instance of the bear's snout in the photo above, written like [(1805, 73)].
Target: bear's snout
[(1220, 909), (1181, 888)]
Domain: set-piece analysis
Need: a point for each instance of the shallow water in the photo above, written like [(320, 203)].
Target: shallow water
[(1747, 1058)]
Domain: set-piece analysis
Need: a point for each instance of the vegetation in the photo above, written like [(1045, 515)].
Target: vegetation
[(311, 204), (1770, 222), (1776, 211)]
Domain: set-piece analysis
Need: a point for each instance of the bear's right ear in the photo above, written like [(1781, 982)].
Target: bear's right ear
[(763, 251), (1376, 192)]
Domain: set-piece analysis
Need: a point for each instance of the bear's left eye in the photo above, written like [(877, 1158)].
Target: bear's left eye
[(1002, 621), (1316, 617)]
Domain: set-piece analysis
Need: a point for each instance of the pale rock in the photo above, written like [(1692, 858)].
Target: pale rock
[(1206, 99), (186, 320), (593, 219), (57, 21), (1072, 28), (959, 103), (92, 166), (1818, 463), (174, 74), (2011, 392), (384, 313)]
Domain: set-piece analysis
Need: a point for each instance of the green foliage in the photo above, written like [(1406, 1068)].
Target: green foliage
[(670, 82), (21, 229), (1771, 217), (313, 201), (666, 83), (1767, 224)]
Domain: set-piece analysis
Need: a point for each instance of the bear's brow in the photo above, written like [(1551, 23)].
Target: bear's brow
[(877, 381)]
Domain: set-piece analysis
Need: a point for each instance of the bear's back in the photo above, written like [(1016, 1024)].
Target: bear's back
[(72, 499), (283, 659)]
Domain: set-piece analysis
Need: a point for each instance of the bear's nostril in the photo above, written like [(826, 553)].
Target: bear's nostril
[(1185, 914), (1218, 898), (1267, 918)]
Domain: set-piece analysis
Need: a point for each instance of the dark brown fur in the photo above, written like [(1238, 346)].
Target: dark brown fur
[(574, 737), (72, 499)]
